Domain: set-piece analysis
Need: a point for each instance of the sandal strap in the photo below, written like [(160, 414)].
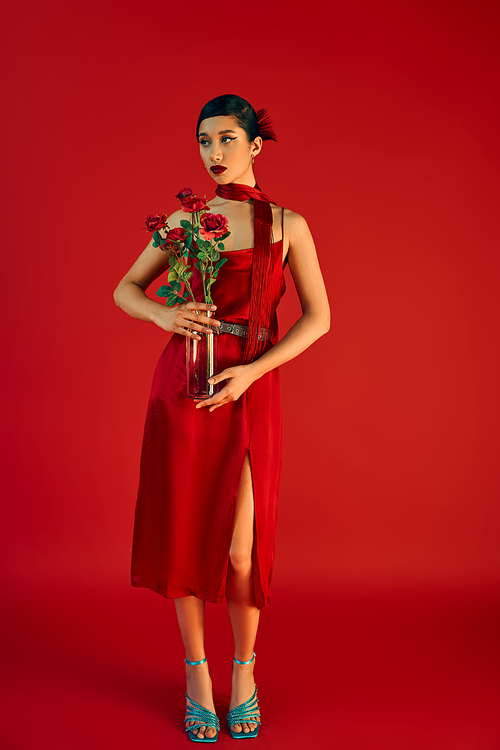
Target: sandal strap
[(245, 662), (201, 715), (245, 711), (195, 663)]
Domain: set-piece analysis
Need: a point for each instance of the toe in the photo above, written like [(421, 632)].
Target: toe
[(236, 727), (245, 728), (210, 732), (201, 732)]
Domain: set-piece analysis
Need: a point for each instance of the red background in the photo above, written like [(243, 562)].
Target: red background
[(387, 120)]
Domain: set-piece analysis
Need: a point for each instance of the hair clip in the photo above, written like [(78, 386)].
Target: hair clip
[(266, 130)]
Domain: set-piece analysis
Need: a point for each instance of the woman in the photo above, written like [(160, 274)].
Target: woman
[(207, 533)]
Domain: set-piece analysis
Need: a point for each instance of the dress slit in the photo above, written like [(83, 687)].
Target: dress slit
[(256, 580)]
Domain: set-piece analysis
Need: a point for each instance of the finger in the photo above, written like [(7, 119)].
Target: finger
[(210, 402), (200, 306), (187, 332), (197, 316), (201, 319), (204, 401), (194, 322), (224, 375), (220, 396), (201, 404), (216, 406), (198, 326)]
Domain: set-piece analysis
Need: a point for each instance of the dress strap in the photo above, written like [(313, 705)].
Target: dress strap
[(282, 215)]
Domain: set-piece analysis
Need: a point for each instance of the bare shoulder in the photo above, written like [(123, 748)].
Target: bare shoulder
[(174, 220), (295, 224)]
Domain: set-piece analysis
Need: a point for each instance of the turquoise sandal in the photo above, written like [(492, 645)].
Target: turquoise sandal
[(245, 712), (201, 715)]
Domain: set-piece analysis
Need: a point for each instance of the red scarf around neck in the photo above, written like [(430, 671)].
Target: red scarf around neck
[(261, 292)]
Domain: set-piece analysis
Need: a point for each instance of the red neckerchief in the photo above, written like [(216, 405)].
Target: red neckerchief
[(261, 296)]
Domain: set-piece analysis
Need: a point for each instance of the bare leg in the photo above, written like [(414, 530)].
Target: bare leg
[(243, 612), (191, 616)]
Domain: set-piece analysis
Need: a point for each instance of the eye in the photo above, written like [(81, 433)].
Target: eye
[(203, 141), (226, 137)]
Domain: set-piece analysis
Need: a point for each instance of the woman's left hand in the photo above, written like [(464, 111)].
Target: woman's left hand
[(239, 378)]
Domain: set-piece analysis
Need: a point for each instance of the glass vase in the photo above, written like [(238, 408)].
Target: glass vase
[(201, 363)]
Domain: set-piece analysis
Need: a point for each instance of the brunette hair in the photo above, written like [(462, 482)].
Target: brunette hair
[(230, 105)]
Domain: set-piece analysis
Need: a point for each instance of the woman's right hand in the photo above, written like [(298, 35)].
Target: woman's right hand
[(185, 319)]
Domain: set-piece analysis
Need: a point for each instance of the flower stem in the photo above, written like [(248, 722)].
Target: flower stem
[(189, 289)]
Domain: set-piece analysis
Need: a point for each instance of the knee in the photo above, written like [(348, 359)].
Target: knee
[(241, 561)]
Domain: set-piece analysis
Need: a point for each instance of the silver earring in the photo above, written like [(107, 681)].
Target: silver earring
[(253, 159)]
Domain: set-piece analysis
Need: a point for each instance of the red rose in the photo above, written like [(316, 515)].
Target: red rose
[(159, 221), (213, 226), (184, 193), (176, 235), (193, 204)]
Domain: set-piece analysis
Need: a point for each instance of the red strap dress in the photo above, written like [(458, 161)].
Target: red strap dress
[(192, 459)]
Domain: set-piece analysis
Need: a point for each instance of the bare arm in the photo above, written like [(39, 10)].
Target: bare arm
[(130, 294), (314, 322)]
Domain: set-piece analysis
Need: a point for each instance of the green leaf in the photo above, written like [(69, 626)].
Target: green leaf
[(156, 236), (172, 275), (185, 224), (163, 291), (172, 260), (220, 263), (176, 285), (221, 246), (188, 241), (224, 236)]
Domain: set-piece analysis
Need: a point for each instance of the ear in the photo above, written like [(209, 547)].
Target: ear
[(256, 146)]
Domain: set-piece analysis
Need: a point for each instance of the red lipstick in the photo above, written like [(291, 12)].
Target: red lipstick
[(219, 169)]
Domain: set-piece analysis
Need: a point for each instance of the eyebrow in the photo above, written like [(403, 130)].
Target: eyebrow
[(221, 132)]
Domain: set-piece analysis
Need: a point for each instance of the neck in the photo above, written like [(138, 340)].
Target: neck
[(247, 179)]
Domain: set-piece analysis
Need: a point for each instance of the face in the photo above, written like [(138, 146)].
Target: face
[(223, 143)]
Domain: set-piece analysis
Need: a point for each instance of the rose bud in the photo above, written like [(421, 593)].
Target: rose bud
[(184, 193)]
